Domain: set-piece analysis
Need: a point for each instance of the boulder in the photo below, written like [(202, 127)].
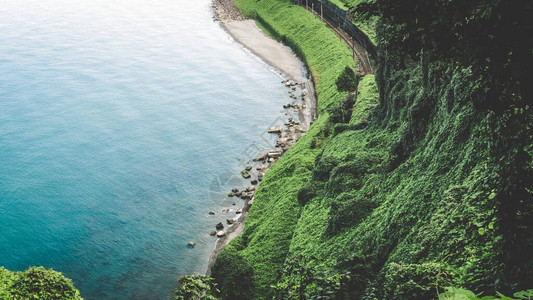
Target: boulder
[(275, 153), (251, 188), (230, 221), (235, 190), (239, 211), (219, 226), (212, 233), (221, 234), (275, 129), (263, 155), (286, 105), (245, 174), (260, 176), (211, 213), (253, 181), (191, 244)]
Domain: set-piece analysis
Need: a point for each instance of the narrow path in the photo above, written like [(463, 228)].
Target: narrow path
[(359, 52)]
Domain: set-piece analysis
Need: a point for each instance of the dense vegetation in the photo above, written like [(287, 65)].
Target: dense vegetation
[(36, 283), (422, 181)]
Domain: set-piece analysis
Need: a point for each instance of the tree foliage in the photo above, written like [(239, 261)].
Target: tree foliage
[(194, 287), (347, 82), (36, 283)]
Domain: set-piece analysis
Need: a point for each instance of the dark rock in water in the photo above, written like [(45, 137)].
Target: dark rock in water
[(211, 213), (276, 129), (235, 190), (230, 195), (233, 203), (254, 181), (248, 168), (219, 226), (286, 105), (191, 244), (212, 233), (246, 175), (239, 211), (248, 195), (230, 221)]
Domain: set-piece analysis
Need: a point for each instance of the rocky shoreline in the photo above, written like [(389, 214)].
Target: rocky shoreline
[(298, 116)]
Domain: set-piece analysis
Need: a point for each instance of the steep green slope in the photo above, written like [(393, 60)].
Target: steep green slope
[(427, 184), (271, 222)]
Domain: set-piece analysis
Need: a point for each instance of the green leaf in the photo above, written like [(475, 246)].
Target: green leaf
[(481, 231)]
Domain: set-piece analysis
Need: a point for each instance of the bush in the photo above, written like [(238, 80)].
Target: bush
[(346, 82), (196, 287), (342, 112), (415, 281), (323, 168), (233, 275), (37, 283), (347, 210)]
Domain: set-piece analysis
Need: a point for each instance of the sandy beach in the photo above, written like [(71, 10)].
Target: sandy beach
[(247, 33)]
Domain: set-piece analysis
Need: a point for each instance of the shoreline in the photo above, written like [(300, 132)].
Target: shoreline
[(245, 32)]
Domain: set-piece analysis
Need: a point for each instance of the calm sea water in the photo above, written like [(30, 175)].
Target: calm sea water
[(120, 123)]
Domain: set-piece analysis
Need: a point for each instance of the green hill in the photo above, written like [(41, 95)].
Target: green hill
[(423, 181)]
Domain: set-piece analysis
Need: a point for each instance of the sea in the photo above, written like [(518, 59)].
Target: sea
[(123, 123)]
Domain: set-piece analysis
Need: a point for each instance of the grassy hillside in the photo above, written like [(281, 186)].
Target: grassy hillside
[(424, 181)]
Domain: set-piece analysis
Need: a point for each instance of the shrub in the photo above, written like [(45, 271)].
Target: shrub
[(347, 81), (323, 168), (415, 281), (342, 112), (347, 210), (40, 283), (196, 287), (233, 274)]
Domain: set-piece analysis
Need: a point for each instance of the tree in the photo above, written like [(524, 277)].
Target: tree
[(347, 81), (194, 287), (37, 283)]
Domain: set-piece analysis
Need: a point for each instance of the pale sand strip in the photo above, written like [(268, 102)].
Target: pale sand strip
[(271, 51)]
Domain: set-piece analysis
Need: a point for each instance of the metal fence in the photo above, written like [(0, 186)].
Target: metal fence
[(340, 18)]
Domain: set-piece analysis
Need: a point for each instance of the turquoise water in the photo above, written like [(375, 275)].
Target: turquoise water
[(118, 120)]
